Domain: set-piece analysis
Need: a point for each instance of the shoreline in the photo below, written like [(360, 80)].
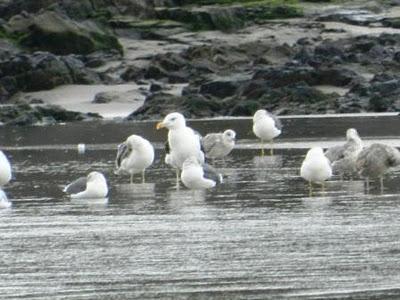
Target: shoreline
[(101, 132)]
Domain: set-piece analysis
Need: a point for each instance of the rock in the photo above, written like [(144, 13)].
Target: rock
[(115, 96), (391, 22), (81, 9), (53, 32), (24, 114), (41, 71), (278, 77), (133, 73), (219, 89), (203, 18), (156, 87), (350, 16), (193, 105)]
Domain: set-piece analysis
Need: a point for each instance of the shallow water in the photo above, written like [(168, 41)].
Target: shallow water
[(258, 236)]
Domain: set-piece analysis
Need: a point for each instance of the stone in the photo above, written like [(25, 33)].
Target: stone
[(220, 89), (50, 31)]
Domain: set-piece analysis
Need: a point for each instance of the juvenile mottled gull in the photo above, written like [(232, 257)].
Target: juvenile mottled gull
[(90, 187), (183, 142), (343, 157), (194, 177), (219, 145), (266, 127), (374, 161), (134, 156), (316, 168), (5, 169)]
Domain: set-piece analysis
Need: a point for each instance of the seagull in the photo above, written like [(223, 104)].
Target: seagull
[(316, 168), (343, 157), (5, 170), (93, 186), (134, 156), (266, 127), (218, 145), (197, 177), (375, 160), (183, 142)]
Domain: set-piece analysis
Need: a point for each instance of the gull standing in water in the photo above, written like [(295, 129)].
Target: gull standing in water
[(266, 127), (5, 170), (94, 186), (194, 177), (5, 177), (376, 160), (218, 145), (183, 142), (343, 157), (134, 156), (316, 168)]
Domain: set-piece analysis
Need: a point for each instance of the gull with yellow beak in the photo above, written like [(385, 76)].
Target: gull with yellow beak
[(183, 142)]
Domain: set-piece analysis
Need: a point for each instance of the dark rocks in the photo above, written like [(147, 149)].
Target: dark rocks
[(24, 114), (351, 16), (219, 89), (41, 71), (192, 105), (278, 77), (156, 87), (115, 96), (53, 32), (81, 9), (219, 18)]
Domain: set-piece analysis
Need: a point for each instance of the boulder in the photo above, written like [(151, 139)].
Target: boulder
[(56, 33), (115, 96), (219, 89), (42, 71), (81, 9)]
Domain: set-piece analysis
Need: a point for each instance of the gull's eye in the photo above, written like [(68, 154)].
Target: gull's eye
[(173, 119)]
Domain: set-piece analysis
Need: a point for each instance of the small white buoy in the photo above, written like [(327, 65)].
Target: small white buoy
[(81, 148)]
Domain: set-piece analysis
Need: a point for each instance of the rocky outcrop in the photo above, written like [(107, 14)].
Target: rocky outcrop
[(56, 33), (42, 71), (237, 80), (81, 9), (24, 114)]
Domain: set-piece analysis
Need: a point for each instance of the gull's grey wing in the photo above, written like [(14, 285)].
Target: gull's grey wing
[(122, 153), (76, 186), (278, 123), (211, 173), (210, 141), (335, 153), (376, 159)]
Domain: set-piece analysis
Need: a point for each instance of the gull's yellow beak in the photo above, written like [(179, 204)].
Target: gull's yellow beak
[(159, 125)]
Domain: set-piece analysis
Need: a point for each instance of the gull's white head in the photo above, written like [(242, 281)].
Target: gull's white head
[(172, 121), (134, 141), (261, 113), (95, 176), (352, 134), (229, 135), (315, 152)]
